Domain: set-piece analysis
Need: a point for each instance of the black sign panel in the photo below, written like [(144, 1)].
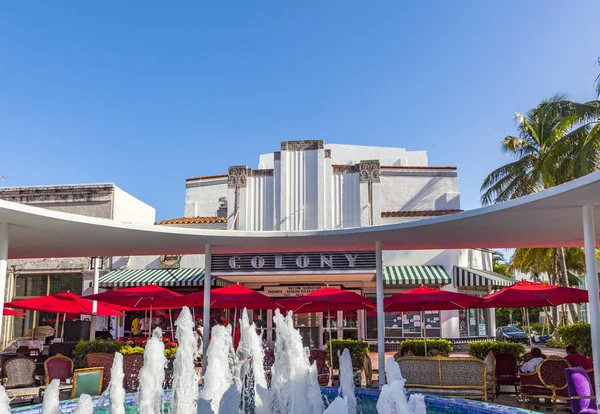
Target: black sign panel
[(328, 262)]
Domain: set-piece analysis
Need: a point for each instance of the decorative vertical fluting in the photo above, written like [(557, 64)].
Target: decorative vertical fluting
[(238, 178), (370, 172)]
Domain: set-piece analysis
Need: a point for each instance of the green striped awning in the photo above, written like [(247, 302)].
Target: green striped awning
[(465, 276), (415, 275), (160, 277)]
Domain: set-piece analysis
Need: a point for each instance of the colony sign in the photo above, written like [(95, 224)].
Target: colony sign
[(326, 262)]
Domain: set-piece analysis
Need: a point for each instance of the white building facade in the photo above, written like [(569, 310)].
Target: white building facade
[(308, 185)]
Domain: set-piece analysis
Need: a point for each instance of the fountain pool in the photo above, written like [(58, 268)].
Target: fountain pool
[(366, 399), (234, 384)]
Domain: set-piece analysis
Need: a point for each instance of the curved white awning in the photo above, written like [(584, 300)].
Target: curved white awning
[(552, 218)]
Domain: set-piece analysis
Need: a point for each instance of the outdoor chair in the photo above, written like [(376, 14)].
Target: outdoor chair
[(318, 356), (368, 367), (23, 350), (581, 391), (507, 372), (101, 360), (57, 367), (490, 365), (548, 381), (19, 380), (87, 381)]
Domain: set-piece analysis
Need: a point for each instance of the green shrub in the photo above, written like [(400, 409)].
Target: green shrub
[(93, 347), (417, 346), (578, 334), (356, 348), (553, 343), (481, 349)]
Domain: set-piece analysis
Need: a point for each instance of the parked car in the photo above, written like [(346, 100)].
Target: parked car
[(511, 334)]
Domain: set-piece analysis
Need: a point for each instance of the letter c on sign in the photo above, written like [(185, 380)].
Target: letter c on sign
[(257, 262), (232, 262), (302, 261)]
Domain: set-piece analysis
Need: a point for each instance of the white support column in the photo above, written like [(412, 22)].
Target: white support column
[(591, 272), (206, 312), (380, 314), (3, 265), (96, 264)]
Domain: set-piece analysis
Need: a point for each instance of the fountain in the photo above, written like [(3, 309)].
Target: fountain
[(51, 401), (85, 405), (235, 382), (152, 375), (116, 390), (4, 401)]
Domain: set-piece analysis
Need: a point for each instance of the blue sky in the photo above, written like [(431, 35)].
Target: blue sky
[(145, 94)]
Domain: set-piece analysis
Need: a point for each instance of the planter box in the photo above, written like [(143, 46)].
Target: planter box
[(132, 364)]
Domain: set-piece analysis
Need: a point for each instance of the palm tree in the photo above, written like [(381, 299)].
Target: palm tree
[(557, 141), (499, 264)]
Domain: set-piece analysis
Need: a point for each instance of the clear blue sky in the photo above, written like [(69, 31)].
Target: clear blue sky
[(145, 94)]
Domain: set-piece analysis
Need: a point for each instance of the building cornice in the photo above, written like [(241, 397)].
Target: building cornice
[(419, 213), (306, 145)]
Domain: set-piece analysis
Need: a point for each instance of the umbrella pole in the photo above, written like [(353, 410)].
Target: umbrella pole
[(330, 343), (171, 321), (423, 327), (150, 321), (234, 321), (62, 334), (56, 324)]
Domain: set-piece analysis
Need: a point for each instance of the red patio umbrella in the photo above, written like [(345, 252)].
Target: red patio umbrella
[(232, 297), (425, 298), (147, 297), (533, 295), (10, 312), (65, 302), (328, 299), (526, 294)]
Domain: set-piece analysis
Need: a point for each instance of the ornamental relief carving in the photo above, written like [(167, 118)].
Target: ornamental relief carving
[(237, 177), (302, 145), (327, 153), (369, 170)]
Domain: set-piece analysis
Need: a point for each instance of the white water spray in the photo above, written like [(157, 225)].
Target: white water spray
[(51, 403), (115, 388), (185, 380), (347, 380), (294, 385), (4, 401), (220, 377), (152, 375), (85, 405), (250, 354), (392, 398)]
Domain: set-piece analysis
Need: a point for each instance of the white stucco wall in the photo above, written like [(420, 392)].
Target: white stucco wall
[(128, 209), (419, 191), (352, 154), (202, 197), (345, 201)]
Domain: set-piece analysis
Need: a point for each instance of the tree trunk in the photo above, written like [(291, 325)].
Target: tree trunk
[(553, 276), (565, 279)]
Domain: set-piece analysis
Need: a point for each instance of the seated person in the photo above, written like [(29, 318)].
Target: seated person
[(578, 360), (536, 359)]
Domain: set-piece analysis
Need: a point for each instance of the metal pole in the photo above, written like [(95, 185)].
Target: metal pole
[(591, 274), (3, 265), (96, 264), (330, 343), (206, 313), (380, 314), (171, 322), (423, 326)]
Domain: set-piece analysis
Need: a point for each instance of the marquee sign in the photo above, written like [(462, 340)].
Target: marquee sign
[(329, 262)]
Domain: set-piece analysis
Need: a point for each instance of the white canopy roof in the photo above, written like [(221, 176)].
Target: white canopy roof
[(552, 218)]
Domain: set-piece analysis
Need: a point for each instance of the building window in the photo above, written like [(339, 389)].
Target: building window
[(41, 285)]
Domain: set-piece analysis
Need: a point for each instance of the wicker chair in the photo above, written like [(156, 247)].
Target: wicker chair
[(581, 392), (58, 367), (507, 372), (548, 381), (19, 378), (490, 364)]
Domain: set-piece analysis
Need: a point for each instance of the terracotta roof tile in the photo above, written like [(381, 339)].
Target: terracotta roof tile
[(418, 213), (207, 177), (194, 220)]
